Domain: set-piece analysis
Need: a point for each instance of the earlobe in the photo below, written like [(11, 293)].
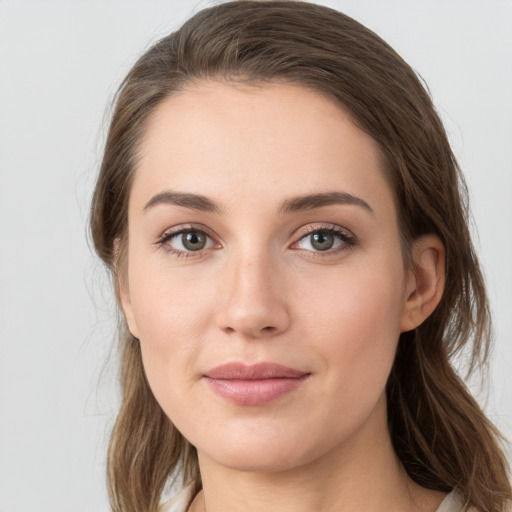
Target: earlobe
[(426, 282)]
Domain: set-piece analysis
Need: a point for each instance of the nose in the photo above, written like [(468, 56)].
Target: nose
[(252, 299)]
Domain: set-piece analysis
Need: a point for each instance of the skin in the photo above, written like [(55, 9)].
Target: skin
[(261, 291)]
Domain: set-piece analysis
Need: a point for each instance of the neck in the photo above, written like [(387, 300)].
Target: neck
[(363, 473)]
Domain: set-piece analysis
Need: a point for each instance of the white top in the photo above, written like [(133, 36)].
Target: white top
[(178, 503)]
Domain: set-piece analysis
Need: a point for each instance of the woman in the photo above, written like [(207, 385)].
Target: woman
[(287, 230)]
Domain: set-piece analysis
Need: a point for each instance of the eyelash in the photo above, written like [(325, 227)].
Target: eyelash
[(175, 232), (346, 237)]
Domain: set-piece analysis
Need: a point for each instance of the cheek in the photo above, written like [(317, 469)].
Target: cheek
[(169, 326), (354, 320), (170, 312), (366, 297), (167, 303)]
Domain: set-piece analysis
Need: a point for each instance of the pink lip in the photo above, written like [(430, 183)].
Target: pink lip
[(253, 384)]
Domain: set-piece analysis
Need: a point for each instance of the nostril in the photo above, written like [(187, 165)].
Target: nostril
[(268, 329)]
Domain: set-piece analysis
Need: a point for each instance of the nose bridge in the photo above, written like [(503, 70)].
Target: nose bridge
[(252, 302), (253, 274)]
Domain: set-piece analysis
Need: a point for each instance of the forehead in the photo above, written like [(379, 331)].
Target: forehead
[(262, 141)]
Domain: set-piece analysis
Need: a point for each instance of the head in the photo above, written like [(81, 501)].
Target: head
[(270, 49)]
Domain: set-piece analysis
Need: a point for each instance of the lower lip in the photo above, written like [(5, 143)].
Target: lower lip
[(254, 392)]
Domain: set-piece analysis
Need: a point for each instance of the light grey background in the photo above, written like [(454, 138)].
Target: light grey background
[(60, 62)]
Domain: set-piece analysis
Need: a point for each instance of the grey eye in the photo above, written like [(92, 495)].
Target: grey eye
[(322, 241), (194, 240)]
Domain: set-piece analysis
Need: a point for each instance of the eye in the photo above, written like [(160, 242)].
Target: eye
[(186, 241), (192, 240), (325, 239)]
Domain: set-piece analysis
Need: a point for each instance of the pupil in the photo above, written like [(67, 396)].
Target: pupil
[(322, 241), (193, 241)]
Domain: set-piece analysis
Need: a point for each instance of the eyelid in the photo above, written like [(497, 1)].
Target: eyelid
[(322, 226), (176, 230), (348, 238)]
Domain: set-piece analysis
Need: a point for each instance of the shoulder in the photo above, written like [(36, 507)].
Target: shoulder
[(179, 502)]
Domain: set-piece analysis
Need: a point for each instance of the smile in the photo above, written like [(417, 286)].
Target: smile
[(253, 384)]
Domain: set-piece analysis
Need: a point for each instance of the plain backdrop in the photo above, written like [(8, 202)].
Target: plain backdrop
[(60, 63)]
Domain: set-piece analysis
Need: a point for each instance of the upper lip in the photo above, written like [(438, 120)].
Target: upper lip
[(260, 371)]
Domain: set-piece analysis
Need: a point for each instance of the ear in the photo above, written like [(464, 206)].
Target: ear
[(122, 288), (425, 283), (126, 306)]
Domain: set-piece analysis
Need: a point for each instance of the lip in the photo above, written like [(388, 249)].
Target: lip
[(256, 384)]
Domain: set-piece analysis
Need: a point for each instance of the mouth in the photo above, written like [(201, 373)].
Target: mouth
[(257, 384)]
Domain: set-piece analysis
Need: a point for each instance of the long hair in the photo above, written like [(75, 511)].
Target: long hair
[(439, 432)]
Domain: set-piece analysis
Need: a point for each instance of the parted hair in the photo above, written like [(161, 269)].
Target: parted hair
[(441, 435)]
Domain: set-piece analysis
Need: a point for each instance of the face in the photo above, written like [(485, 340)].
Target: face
[(265, 279)]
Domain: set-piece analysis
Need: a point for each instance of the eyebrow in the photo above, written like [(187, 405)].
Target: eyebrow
[(192, 201), (312, 201), (295, 204)]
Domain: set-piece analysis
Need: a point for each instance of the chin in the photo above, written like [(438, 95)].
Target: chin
[(259, 455), (256, 462)]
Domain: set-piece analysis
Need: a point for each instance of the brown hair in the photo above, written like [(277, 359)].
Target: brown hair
[(439, 432)]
